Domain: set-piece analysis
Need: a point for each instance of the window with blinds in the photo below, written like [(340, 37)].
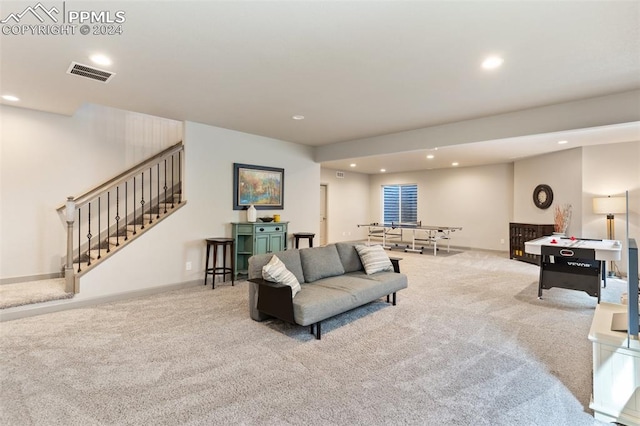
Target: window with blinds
[(400, 203)]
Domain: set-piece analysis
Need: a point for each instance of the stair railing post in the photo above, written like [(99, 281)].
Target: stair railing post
[(69, 275)]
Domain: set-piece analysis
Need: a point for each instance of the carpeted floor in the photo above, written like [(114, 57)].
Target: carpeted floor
[(469, 343), (26, 293)]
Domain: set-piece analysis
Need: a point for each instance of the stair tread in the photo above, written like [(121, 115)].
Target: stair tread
[(95, 252)]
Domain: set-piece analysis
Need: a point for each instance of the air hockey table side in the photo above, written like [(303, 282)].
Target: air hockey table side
[(575, 264)]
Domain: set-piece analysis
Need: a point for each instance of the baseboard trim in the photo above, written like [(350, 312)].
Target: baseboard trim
[(16, 280), (26, 311)]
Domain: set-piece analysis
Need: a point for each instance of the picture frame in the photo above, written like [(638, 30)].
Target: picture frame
[(258, 185)]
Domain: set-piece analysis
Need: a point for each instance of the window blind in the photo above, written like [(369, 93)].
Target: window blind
[(400, 203)]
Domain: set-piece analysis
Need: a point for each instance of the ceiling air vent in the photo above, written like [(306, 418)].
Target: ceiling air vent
[(90, 72), (340, 175)]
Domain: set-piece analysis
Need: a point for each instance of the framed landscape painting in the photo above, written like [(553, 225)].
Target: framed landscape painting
[(261, 186)]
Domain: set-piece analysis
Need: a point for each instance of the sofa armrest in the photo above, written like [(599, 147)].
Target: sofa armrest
[(274, 299), (395, 261)]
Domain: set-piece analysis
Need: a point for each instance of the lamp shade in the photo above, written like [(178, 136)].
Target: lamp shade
[(609, 205)]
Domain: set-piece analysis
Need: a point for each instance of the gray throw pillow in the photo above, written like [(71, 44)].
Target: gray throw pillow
[(374, 259), (276, 271), (320, 262)]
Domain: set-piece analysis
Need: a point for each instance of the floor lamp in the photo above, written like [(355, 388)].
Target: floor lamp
[(610, 206)]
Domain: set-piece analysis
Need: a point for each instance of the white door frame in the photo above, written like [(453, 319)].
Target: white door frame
[(324, 227)]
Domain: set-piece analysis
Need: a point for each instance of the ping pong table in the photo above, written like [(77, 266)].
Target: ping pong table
[(393, 231)]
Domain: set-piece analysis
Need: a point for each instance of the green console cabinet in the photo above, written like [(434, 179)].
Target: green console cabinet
[(257, 238)]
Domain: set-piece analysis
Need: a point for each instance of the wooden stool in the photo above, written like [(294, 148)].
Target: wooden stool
[(308, 235), (216, 270)]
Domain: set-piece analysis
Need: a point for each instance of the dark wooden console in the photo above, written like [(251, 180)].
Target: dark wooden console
[(519, 233)]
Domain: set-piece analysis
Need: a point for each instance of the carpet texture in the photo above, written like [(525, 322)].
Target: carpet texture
[(469, 343), (26, 293)]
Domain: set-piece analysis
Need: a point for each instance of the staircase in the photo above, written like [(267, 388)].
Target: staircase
[(105, 219), (117, 240)]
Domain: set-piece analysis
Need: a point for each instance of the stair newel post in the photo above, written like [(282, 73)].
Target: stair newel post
[(68, 269), (165, 186)]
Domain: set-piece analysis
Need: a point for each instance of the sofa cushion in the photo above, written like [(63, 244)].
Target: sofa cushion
[(349, 257), (335, 295), (320, 262), (276, 271), (374, 259), (394, 281), (290, 258), (317, 302)]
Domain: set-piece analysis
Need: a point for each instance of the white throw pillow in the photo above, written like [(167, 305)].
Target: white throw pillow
[(276, 271), (374, 259)]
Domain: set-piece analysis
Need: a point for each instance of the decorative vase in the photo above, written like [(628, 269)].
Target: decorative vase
[(251, 214)]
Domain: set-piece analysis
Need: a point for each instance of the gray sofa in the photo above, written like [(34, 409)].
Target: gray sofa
[(332, 281)]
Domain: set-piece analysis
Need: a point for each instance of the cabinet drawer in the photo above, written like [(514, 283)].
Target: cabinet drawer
[(245, 229), (268, 228)]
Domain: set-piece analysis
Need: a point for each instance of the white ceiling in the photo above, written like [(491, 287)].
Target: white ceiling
[(354, 69), (505, 150)]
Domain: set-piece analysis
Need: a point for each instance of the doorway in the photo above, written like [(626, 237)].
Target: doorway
[(323, 214)]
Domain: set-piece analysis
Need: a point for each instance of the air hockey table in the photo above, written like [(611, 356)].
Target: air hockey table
[(573, 263)]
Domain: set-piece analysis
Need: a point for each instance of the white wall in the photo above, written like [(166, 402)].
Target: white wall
[(479, 199), (611, 170), (562, 171), (347, 205), (158, 258), (46, 157)]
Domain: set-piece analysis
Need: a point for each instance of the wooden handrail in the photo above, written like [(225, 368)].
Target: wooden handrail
[(83, 199)]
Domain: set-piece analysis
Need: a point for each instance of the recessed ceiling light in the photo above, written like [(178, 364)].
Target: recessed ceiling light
[(492, 62), (100, 59), (10, 98), (352, 165), (430, 156), (383, 170), (298, 117), (455, 163), (562, 142)]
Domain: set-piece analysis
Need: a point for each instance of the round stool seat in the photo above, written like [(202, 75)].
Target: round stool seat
[(219, 240), (223, 270), (297, 236)]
